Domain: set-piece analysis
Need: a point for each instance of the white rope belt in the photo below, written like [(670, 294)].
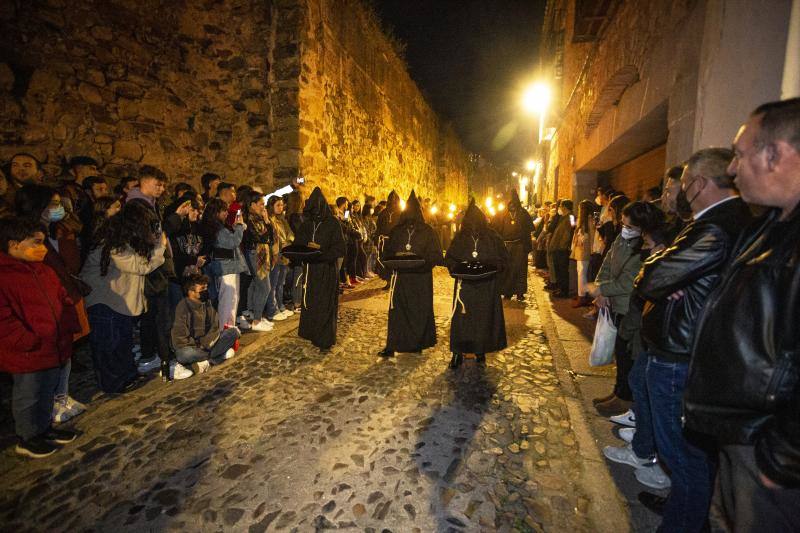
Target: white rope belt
[(457, 300), (305, 287), (392, 286), (381, 242)]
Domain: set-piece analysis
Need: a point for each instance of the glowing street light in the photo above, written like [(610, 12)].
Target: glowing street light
[(530, 165), (434, 210), (501, 206), (488, 202), (514, 174), (402, 205), (536, 99), (452, 208)]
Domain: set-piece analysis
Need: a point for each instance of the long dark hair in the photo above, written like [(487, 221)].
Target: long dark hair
[(585, 211), (135, 227), (618, 203), (210, 223)]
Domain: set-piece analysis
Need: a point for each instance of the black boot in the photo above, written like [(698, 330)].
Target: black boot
[(480, 358), (386, 352), (456, 361)]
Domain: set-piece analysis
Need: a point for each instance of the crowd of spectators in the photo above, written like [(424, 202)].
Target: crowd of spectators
[(155, 276), (701, 279)]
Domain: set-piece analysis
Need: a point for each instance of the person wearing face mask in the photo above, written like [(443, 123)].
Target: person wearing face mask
[(37, 322), (612, 289), (42, 205), (559, 246), (196, 336), (691, 267)]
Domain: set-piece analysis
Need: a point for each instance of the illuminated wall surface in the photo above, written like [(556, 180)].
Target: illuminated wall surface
[(254, 90)]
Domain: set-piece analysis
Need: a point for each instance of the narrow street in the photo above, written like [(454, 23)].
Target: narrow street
[(281, 438)]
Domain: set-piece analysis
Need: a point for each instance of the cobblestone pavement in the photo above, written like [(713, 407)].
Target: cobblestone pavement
[(282, 438)]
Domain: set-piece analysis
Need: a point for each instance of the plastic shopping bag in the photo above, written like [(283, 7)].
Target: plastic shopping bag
[(605, 335)]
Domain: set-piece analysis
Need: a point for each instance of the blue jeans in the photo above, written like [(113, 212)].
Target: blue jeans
[(62, 389), (111, 341), (258, 292), (277, 278), (692, 471), (32, 401), (189, 354), (644, 444)]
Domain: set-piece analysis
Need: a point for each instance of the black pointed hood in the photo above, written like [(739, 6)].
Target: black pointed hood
[(317, 206), (413, 210), (513, 200), (393, 201), (474, 221)]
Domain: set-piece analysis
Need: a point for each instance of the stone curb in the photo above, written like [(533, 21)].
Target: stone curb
[(608, 509)]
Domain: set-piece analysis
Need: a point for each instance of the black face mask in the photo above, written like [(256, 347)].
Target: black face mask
[(204, 295)]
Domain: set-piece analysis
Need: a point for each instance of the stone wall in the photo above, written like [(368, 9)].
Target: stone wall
[(364, 125), (181, 85), (256, 90)]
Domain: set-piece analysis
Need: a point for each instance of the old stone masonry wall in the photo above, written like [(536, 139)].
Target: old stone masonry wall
[(181, 85), (364, 124), (255, 90)]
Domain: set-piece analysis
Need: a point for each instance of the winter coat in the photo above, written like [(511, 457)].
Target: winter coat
[(37, 318)]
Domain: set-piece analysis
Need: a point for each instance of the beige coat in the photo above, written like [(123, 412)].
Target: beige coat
[(582, 244)]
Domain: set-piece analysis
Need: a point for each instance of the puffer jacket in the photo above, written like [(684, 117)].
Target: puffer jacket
[(37, 318), (692, 264), (619, 269), (743, 376)]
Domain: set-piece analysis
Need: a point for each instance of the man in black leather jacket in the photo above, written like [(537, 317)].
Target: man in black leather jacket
[(743, 380), (676, 284)]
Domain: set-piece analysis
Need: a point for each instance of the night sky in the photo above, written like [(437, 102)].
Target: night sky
[(470, 58)]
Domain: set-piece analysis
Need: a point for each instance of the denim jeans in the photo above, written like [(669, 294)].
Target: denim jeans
[(644, 444), (691, 467), (111, 341), (189, 354), (62, 389), (277, 278), (32, 401), (257, 295)]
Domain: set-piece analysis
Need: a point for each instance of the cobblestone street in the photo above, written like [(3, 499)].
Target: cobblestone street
[(282, 438)]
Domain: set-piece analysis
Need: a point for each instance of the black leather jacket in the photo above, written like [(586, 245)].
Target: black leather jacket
[(692, 264), (743, 377)]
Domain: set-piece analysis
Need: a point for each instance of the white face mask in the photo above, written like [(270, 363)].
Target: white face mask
[(630, 233)]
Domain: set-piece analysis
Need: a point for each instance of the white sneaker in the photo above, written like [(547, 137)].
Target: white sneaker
[(60, 412), (148, 366), (242, 323), (626, 456), (626, 434), (278, 317), (653, 477), (74, 405), (288, 312), (178, 371), (202, 366), (625, 419), (230, 353), (263, 325)]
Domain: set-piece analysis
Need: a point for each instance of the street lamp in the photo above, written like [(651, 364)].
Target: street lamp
[(536, 100), (530, 165)]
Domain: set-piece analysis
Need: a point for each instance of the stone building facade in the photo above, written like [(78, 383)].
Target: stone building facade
[(639, 85), (256, 90)]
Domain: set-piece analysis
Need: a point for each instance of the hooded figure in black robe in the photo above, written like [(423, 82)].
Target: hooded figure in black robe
[(320, 279), (515, 226), (411, 323), (387, 220), (477, 325)]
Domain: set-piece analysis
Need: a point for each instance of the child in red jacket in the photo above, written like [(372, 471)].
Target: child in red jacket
[(37, 321)]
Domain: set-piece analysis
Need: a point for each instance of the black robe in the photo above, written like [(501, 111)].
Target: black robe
[(411, 321), (387, 220), (320, 279), (477, 325), (515, 226)]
